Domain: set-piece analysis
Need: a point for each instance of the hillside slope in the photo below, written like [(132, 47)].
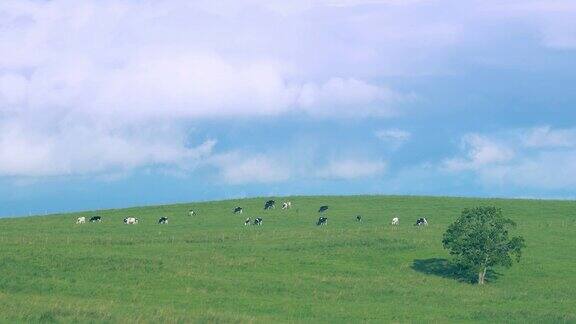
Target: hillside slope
[(212, 268)]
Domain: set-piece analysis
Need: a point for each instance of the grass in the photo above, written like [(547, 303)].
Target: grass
[(210, 268)]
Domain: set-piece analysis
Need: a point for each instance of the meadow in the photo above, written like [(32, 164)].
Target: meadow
[(210, 268)]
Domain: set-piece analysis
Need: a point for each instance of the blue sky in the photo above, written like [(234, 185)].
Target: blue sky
[(118, 103)]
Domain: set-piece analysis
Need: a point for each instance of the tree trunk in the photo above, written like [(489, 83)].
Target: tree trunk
[(481, 276)]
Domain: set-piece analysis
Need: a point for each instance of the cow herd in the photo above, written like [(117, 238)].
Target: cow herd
[(270, 204)]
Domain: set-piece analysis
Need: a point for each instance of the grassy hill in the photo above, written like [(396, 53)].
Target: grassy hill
[(211, 268)]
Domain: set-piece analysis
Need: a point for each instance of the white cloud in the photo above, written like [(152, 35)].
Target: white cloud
[(541, 157), (189, 85), (348, 97), (393, 136), (151, 59), (13, 89), (479, 152), (238, 168), (553, 19), (545, 136), (77, 149), (545, 170), (352, 169)]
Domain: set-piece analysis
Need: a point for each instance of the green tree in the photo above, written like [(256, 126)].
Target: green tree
[(479, 240)]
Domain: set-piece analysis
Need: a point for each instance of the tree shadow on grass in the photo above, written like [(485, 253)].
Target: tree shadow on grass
[(446, 269)]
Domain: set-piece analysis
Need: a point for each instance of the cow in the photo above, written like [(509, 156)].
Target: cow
[(81, 220), (270, 204), (247, 221), (258, 221), (287, 205), (163, 220), (421, 221), (322, 209), (395, 221), (130, 220), (358, 218), (95, 219), (191, 212), (322, 221), (237, 210)]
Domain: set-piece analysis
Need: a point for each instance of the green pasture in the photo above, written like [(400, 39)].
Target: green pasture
[(210, 268)]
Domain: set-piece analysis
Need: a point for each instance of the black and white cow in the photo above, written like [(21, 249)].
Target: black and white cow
[(395, 221), (287, 205), (322, 221), (270, 204), (258, 221), (130, 220), (237, 210), (191, 212), (322, 209), (421, 222), (163, 220), (358, 218), (95, 219), (247, 221)]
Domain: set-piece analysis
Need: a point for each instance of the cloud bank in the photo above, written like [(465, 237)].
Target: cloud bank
[(540, 157), (100, 86)]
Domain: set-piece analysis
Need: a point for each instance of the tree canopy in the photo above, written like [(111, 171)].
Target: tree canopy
[(479, 240)]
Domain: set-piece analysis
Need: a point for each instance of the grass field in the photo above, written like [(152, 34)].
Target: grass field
[(211, 268)]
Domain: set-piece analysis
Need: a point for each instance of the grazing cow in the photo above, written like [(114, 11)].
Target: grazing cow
[(130, 220), (395, 221), (237, 210), (163, 220), (247, 221), (81, 220), (270, 204), (421, 221), (322, 221), (358, 218), (322, 209), (258, 221), (287, 205), (95, 219), (191, 212)]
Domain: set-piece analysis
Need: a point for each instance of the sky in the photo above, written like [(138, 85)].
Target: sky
[(115, 103)]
